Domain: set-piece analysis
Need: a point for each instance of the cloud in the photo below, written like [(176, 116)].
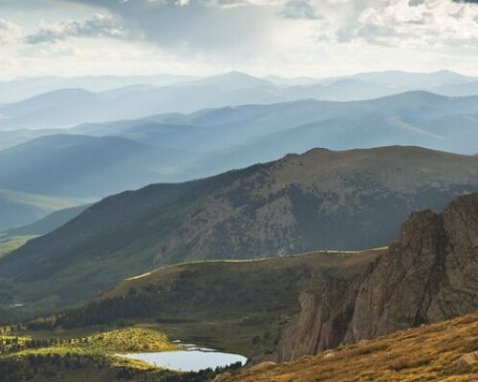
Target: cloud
[(97, 26), (228, 25), (9, 32), (314, 37), (299, 9), (396, 22), (196, 26)]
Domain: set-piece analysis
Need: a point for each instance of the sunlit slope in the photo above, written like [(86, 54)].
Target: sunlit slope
[(430, 353)]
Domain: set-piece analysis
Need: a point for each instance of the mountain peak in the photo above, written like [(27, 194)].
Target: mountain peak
[(234, 80)]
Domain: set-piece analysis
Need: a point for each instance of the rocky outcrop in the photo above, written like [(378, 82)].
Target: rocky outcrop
[(429, 274), (323, 321), (467, 361)]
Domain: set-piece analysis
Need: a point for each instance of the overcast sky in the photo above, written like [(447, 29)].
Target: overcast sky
[(287, 37)]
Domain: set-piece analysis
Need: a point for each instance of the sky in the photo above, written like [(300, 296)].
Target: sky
[(318, 38)]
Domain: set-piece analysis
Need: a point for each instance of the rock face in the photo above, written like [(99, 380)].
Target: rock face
[(429, 274), (468, 360)]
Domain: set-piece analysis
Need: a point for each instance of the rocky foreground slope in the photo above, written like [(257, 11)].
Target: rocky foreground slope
[(428, 274), (445, 352)]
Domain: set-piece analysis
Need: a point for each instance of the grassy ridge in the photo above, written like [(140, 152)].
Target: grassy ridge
[(236, 306)]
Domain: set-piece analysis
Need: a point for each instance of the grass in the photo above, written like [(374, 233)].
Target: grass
[(9, 244), (429, 353)]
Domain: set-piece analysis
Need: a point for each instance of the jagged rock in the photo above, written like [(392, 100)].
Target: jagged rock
[(328, 354), (429, 274), (468, 360)]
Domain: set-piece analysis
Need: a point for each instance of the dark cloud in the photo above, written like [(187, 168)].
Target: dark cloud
[(191, 24)]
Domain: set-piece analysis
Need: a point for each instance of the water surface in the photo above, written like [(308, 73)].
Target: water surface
[(188, 360)]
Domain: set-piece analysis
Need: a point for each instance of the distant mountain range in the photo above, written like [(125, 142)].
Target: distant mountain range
[(92, 161), (265, 132), (69, 106), (22, 88), (320, 200), (85, 167), (21, 208)]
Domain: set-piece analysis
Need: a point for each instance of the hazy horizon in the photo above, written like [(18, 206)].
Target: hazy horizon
[(194, 76), (290, 38)]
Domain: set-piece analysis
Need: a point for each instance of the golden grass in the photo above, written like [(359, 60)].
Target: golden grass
[(428, 353)]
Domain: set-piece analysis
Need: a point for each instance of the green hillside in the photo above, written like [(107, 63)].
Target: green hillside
[(319, 200)]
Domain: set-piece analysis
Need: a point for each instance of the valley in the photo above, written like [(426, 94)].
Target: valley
[(220, 226), (238, 191), (315, 305)]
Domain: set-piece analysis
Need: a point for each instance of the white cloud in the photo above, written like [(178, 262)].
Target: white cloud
[(9, 32), (97, 26), (291, 37), (397, 22)]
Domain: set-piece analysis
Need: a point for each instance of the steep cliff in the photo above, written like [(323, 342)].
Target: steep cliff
[(429, 274)]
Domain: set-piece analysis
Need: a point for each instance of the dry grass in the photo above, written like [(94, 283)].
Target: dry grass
[(428, 353)]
